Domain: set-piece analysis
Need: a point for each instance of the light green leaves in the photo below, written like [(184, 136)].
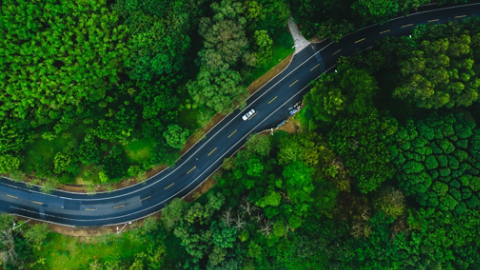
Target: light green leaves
[(176, 136)]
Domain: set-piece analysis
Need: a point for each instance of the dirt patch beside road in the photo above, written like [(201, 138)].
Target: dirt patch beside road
[(292, 125)]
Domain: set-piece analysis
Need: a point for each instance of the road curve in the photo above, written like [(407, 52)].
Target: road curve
[(271, 104)]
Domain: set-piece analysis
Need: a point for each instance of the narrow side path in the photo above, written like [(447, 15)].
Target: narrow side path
[(298, 39)]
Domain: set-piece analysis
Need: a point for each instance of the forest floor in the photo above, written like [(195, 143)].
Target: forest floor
[(291, 126)]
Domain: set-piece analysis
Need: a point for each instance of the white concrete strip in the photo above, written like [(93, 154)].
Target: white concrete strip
[(299, 41)]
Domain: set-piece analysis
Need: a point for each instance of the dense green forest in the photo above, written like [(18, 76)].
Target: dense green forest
[(385, 175), (102, 90), (97, 91)]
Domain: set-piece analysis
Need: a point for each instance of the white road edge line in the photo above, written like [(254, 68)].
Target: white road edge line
[(279, 107), (159, 180), (232, 119), (434, 10), (409, 15), (186, 152)]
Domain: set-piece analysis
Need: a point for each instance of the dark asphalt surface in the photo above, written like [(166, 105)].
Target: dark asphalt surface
[(271, 103)]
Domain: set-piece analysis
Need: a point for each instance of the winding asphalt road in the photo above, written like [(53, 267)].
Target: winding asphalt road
[(202, 160)]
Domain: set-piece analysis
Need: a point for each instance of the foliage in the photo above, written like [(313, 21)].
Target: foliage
[(55, 57), (451, 240), (264, 47), (9, 163), (64, 162), (8, 252), (119, 73), (335, 19), (89, 150), (216, 90), (434, 163), (284, 201), (199, 235), (112, 164), (310, 148), (361, 141), (350, 90), (440, 73), (37, 234), (89, 70), (160, 39), (176, 136), (258, 144), (390, 201), (172, 213), (218, 84)]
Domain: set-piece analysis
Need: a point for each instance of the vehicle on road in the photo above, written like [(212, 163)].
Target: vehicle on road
[(248, 114), (295, 109)]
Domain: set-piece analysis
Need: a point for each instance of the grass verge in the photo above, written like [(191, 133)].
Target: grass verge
[(139, 151), (43, 151), (67, 252), (281, 49)]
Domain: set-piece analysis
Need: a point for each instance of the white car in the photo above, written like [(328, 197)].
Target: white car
[(248, 114)]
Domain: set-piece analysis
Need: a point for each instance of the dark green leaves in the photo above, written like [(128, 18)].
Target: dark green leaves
[(360, 140)]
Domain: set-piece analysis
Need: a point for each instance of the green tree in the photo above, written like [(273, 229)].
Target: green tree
[(173, 213), (361, 142), (65, 163), (255, 167), (218, 84), (89, 150), (379, 9), (439, 74), (272, 199), (350, 90), (37, 234), (264, 47), (217, 90), (260, 145), (9, 255), (311, 149), (390, 201), (279, 229), (159, 38), (113, 165), (430, 167), (76, 62), (176, 136), (9, 163)]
